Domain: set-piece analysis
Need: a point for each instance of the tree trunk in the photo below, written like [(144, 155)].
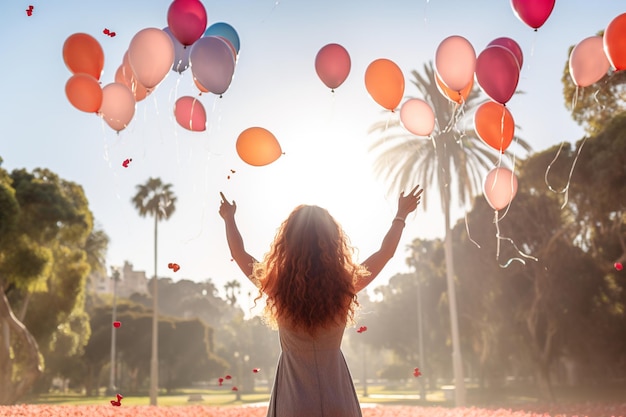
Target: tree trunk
[(10, 390)]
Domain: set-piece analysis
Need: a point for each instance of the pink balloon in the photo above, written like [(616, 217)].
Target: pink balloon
[(417, 117), (187, 19), (190, 114), (497, 73), (512, 46), (455, 62), (533, 12), (500, 187), (588, 62), (212, 63), (332, 64), (151, 55), (124, 75), (118, 106)]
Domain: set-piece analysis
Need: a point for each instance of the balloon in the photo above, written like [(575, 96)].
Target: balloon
[(417, 117), (512, 46), (212, 64), (385, 83), (82, 53), (494, 125), (190, 114), (258, 146), (118, 106), (226, 31), (533, 12), (200, 86), (456, 96), (124, 75), (181, 53), (615, 42), (332, 64), (151, 55), (588, 63), (84, 92), (187, 20), (497, 73), (455, 62), (500, 187)]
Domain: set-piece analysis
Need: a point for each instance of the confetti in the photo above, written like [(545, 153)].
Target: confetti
[(174, 267), (234, 389), (618, 266), (118, 402), (416, 372), (232, 171), (29, 11), (228, 377), (362, 329), (256, 370), (126, 162), (220, 381), (108, 32), (117, 324)]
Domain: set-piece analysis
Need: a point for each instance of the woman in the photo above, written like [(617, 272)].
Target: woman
[(311, 282)]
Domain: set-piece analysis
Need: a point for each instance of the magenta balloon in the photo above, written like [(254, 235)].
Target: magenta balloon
[(332, 64), (212, 63), (151, 55), (190, 114), (455, 62), (497, 73), (417, 117), (512, 46), (187, 19), (533, 12), (500, 187), (588, 62), (118, 106)]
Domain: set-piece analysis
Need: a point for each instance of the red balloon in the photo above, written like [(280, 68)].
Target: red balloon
[(533, 12), (512, 46), (190, 114), (332, 64), (497, 73), (187, 20), (615, 42)]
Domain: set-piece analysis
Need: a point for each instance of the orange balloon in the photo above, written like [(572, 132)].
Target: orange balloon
[(615, 42), (83, 54), (84, 92), (199, 86), (494, 124), (456, 96), (385, 83), (258, 146)]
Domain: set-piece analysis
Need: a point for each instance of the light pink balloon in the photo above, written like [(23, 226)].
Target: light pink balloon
[(212, 63), (190, 114), (118, 106), (417, 117), (588, 62), (455, 62), (500, 187), (124, 75), (187, 19), (332, 64), (497, 73), (151, 55)]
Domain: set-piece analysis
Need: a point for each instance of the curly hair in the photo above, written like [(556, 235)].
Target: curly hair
[(308, 276)]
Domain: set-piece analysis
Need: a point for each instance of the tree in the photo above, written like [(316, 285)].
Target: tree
[(155, 199), (403, 157), (42, 252)]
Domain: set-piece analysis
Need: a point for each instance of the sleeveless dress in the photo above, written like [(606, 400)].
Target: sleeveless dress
[(312, 376)]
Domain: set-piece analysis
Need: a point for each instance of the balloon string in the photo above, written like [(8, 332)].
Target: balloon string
[(468, 232), (565, 190), (575, 99), (510, 260)]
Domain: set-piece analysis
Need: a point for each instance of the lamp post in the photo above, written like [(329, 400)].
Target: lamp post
[(115, 276)]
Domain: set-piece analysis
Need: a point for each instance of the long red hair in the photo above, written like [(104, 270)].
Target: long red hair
[(308, 275)]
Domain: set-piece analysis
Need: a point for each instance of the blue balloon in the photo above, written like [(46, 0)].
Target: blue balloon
[(224, 30)]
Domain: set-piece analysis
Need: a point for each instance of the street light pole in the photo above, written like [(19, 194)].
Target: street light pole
[(115, 276)]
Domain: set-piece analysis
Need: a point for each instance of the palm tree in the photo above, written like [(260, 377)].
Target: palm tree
[(403, 157), (155, 199)]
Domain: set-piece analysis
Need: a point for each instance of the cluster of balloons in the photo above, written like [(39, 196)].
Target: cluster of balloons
[(592, 58), (186, 42)]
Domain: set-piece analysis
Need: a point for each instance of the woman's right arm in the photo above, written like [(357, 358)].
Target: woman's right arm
[(235, 242)]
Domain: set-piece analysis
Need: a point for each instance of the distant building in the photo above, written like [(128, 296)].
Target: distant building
[(130, 282)]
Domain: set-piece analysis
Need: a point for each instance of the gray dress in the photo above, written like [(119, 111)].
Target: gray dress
[(312, 377)]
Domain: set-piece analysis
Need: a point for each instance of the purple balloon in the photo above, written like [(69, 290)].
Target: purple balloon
[(181, 53), (512, 46), (212, 63), (497, 73)]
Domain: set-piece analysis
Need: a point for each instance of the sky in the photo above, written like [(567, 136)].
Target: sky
[(324, 135)]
